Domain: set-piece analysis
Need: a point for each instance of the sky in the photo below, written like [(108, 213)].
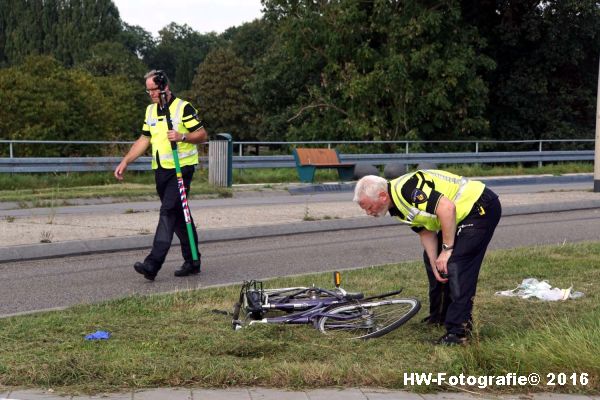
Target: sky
[(203, 16)]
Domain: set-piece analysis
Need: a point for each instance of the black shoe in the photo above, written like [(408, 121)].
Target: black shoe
[(452, 339), (145, 269), (188, 268), (432, 320)]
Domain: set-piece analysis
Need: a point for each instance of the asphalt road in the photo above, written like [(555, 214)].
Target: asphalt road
[(61, 282)]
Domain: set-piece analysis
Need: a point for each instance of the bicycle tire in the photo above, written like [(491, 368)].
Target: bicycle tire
[(367, 320)]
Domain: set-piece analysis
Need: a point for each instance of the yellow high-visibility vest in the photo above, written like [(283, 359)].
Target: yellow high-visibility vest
[(461, 191), (161, 146)]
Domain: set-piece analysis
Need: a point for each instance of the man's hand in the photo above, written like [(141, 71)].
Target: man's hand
[(137, 149), (120, 170), (174, 136), (441, 263)]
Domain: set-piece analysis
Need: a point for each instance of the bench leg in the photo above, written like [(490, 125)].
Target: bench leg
[(346, 173), (306, 173)]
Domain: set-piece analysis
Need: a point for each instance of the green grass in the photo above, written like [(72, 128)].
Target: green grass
[(176, 339), (48, 190)]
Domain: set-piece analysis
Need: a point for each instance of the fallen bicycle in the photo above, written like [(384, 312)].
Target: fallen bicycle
[(333, 312)]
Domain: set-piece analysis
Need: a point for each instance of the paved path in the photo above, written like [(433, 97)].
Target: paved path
[(274, 394)]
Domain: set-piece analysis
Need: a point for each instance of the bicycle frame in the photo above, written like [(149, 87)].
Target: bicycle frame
[(304, 305)]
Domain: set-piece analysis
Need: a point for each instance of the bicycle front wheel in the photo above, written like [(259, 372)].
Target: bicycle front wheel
[(367, 320)]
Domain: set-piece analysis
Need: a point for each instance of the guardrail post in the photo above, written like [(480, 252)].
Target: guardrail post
[(10, 149), (540, 150), (476, 147), (220, 160), (597, 144)]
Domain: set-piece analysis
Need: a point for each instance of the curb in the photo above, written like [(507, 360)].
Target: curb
[(81, 247)]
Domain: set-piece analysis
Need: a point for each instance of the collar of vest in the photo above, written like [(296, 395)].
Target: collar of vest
[(394, 212), (171, 100), (160, 113)]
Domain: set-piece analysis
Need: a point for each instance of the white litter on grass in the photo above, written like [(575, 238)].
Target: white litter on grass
[(531, 287)]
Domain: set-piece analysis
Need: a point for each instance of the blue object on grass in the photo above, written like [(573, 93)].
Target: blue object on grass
[(98, 335)]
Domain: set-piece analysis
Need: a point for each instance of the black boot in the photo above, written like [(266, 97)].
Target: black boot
[(188, 268), (147, 270), (435, 320), (452, 339)]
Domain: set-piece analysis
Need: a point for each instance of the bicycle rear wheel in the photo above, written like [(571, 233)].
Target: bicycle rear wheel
[(367, 320)]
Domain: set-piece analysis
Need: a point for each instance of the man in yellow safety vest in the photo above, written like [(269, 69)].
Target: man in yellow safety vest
[(188, 130), (455, 218)]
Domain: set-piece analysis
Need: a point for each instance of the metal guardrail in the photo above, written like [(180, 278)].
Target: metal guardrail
[(477, 144), (80, 164), (239, 146)]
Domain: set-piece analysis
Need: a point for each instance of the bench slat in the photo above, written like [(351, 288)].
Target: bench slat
[(317, 156), (308, 160), (331, 165)]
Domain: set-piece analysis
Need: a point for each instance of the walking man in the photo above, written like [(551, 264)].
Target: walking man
[(188, 130)]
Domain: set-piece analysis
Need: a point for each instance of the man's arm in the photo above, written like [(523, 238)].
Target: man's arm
[(198, 136), (430, 244), (446, 213), (192, 122), (137, 149)]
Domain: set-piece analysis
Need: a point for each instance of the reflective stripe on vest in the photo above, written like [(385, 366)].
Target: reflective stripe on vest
[(461, 182), (463, 192), (169, 156), (187, 152)]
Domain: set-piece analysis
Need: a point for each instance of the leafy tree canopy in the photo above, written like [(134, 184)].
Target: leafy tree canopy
[(220, 91), (547, 56), (64, 29), (375, 70), (179, 51), (112, 58), (42, 100)]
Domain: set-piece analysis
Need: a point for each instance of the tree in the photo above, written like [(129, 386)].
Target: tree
[(250, 41), (547, 57), (352, 69), (180, 49), (221, 94), (42, 100), (63, 28), (137, 40), (112, 58)]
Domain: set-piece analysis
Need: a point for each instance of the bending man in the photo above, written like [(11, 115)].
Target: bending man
[(455, 218)]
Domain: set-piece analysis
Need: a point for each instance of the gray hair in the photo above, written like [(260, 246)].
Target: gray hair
[(369, 186)]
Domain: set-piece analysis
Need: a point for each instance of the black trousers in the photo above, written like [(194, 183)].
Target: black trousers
[(452, 302), (171, 219)]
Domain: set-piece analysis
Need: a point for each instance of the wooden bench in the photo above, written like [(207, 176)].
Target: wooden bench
[(308, 160)]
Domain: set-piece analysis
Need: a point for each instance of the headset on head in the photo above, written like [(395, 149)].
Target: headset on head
[(160, 79)]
